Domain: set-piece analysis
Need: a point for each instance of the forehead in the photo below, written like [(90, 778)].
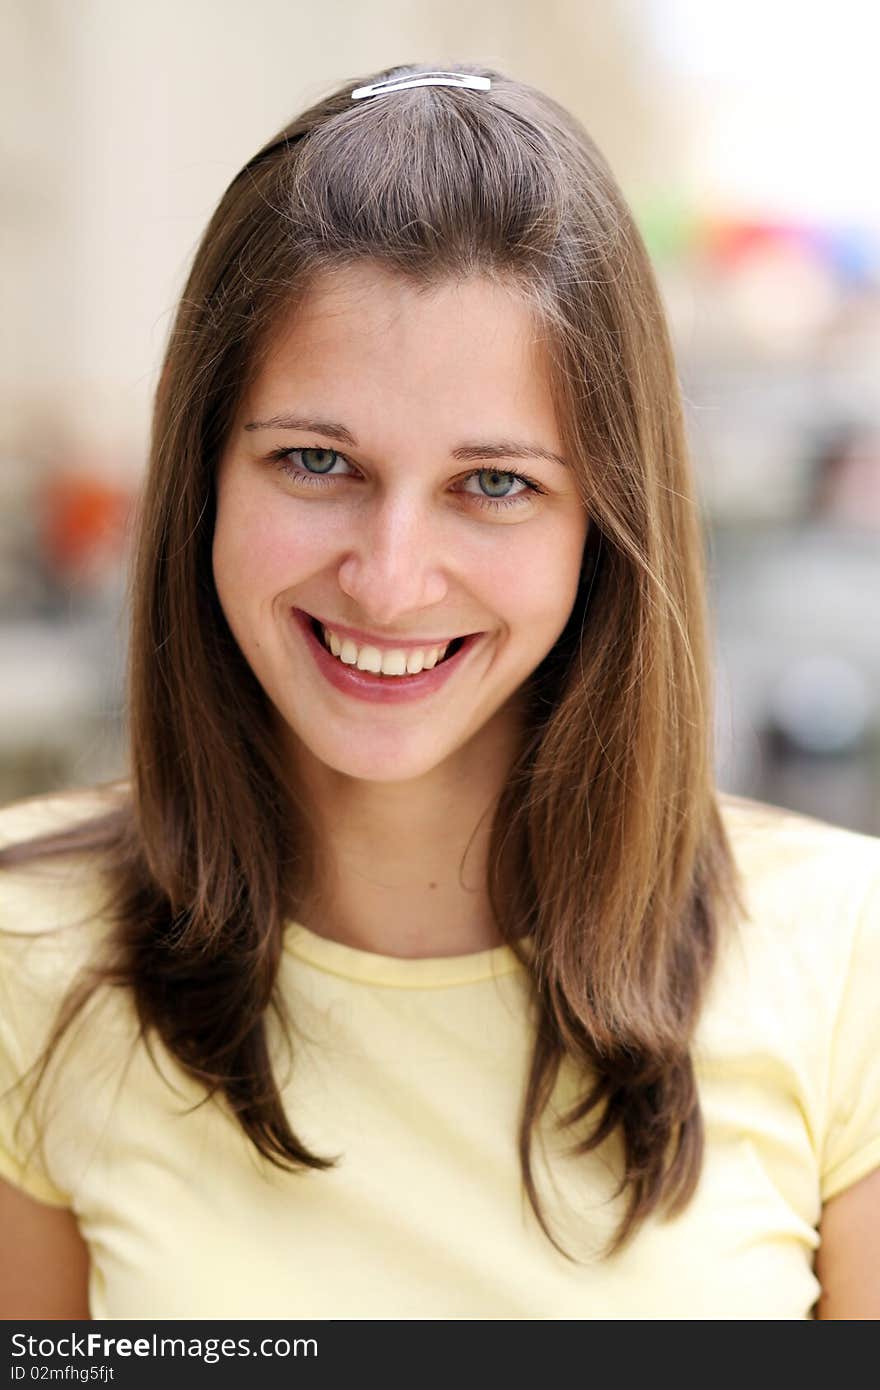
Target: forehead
[(371, 299), (366, 336)]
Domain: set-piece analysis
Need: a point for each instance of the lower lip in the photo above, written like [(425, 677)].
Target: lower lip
[(365, 685)]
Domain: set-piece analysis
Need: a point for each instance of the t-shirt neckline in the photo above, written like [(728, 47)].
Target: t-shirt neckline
[(424, 972)]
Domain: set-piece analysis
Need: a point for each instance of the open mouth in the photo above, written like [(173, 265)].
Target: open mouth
[(391, 664)]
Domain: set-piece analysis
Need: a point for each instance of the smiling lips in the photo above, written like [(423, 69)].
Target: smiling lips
[(406, 657), (359, 667)]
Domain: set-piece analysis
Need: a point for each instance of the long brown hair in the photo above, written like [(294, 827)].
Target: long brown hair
[(608, 851)]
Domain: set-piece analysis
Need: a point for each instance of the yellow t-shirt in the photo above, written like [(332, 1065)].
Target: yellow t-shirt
[(411, 1072)]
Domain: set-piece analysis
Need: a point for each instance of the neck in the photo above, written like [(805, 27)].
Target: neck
[(405, 868)]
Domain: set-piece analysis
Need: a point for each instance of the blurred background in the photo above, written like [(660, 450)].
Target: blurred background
[(744, 136)]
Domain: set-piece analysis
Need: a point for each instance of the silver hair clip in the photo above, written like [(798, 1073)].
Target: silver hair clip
[(422, 79)]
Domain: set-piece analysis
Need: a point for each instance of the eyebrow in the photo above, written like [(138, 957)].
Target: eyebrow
[(484, 449)]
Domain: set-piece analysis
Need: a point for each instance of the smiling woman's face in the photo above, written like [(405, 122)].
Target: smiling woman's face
[(375, 507)]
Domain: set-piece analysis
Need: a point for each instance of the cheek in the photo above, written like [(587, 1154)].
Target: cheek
[(259, 551), (532, 580)]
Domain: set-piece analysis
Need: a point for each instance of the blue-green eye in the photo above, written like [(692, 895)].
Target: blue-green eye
[(312, 464), (495, 483), (496, 489), (325, 461)]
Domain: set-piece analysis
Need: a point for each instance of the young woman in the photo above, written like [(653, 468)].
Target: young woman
[(417, 970)]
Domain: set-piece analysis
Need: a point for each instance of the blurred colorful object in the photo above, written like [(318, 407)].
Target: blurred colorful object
[(676, 230), (82, 525)]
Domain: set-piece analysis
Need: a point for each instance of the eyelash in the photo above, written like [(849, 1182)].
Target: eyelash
[(282, 458)]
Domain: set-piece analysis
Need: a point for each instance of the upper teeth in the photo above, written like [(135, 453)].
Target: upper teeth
[(393, 662)]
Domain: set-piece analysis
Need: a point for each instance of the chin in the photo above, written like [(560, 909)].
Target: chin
[(381, 761)]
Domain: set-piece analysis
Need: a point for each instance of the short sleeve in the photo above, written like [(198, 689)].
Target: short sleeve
[(852, 1140)]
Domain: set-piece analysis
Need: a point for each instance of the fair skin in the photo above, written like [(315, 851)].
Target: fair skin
[(394, 545), (426, 529)]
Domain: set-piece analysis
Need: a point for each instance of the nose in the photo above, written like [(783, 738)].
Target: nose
[(391, 568)]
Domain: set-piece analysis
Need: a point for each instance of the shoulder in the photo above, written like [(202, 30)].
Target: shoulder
[(811, 898), (802, 877), (809, 936), (55, 812), (53, 906), (773, 843)]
